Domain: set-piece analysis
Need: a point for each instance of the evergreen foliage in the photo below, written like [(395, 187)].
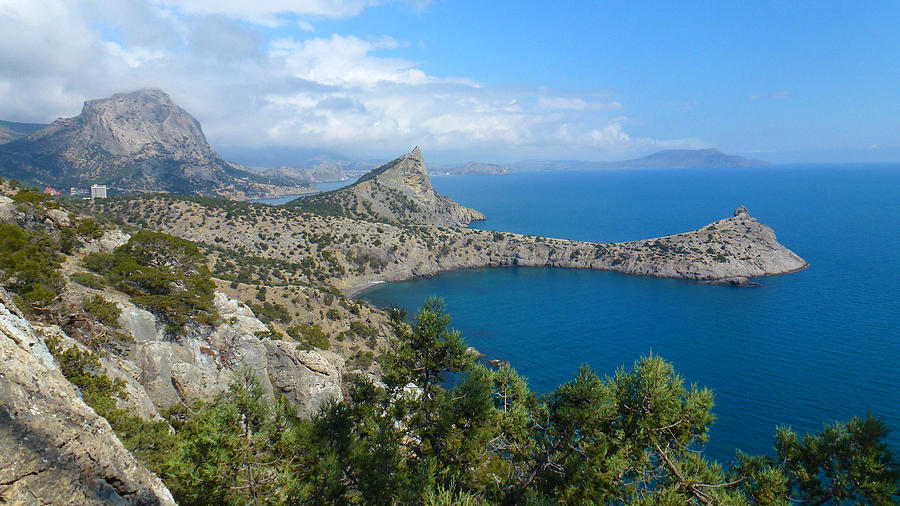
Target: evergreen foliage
[(162, 273), (636, 437), (29, 264)]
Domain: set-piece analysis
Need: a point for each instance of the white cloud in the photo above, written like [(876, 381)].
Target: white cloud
[(272, 12), (340, 93), (306, 26), (576, 104)]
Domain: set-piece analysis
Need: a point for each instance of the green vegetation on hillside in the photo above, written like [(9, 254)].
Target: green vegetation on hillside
[(29, 264), (162, 273), (636, 437)]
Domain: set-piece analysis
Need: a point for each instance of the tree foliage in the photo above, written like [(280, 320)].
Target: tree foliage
[(162, 273), (485, 438)]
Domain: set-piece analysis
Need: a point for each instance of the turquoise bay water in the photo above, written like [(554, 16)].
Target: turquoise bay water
[(806, 348)]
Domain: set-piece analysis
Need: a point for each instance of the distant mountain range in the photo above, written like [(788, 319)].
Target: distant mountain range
[(142, 141), (11, 131)]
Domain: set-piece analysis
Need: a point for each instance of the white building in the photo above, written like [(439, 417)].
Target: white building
[(98, 191)]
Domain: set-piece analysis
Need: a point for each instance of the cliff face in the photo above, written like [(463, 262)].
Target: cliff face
[(56, 449), (140, 141), (397, 192)]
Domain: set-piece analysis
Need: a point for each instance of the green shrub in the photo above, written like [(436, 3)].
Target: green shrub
[(164, 274), (107, 311), (269, 312), (309, 336), (87, 279), (150, 442), (29, 264)]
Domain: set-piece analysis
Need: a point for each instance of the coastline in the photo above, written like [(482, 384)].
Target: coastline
[(355, 290)]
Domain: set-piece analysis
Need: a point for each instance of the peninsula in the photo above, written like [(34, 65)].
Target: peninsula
[(366, 240)]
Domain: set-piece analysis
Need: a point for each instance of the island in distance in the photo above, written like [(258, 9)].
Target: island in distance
[(668, 159), (709, 158)]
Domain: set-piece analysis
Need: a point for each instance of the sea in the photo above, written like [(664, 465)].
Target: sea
[(801, 350)]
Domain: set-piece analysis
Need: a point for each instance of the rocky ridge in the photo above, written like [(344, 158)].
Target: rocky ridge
[(397, 192), (476, 168)]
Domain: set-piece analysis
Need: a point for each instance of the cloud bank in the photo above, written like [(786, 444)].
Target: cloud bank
[(337, 92)]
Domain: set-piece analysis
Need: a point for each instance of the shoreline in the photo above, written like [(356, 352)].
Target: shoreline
[(355, 290)]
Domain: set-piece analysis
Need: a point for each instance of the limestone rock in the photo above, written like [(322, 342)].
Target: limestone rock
[(59, 217), (141, 324), (136, 400), (54, 449), (135, 142), (306, 378), (741, 211), (8, 211)]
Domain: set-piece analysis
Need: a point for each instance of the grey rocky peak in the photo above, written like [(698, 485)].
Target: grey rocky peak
[(741, 211), (399, 191), (327, 171), (134, 142)]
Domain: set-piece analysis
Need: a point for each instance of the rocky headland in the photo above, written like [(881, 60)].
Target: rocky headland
[(398, 192), (352, 254)]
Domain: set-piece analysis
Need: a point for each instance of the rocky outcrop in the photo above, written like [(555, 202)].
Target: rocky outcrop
[(135, 142), (327, 171), (397, 192), (199, 366), (307, 378), (56, 449), (369, 253)]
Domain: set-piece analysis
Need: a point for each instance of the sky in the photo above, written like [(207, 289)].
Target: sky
[(494, 81)]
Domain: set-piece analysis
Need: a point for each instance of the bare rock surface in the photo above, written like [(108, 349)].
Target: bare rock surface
[(56, 449), (135, 142), (199, 365), (306, 377)]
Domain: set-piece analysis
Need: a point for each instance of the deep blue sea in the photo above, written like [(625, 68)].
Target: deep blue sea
[(815, 346)]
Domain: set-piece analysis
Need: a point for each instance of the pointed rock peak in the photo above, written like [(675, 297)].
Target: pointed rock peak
[(417, 154), (741, 211)]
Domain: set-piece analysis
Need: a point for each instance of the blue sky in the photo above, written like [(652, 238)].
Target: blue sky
[(497, 81)]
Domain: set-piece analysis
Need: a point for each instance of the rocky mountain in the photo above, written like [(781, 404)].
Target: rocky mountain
[(668, 159), (475, 168), (11, 131), (399, 191), (327, 171), (133, 142)]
